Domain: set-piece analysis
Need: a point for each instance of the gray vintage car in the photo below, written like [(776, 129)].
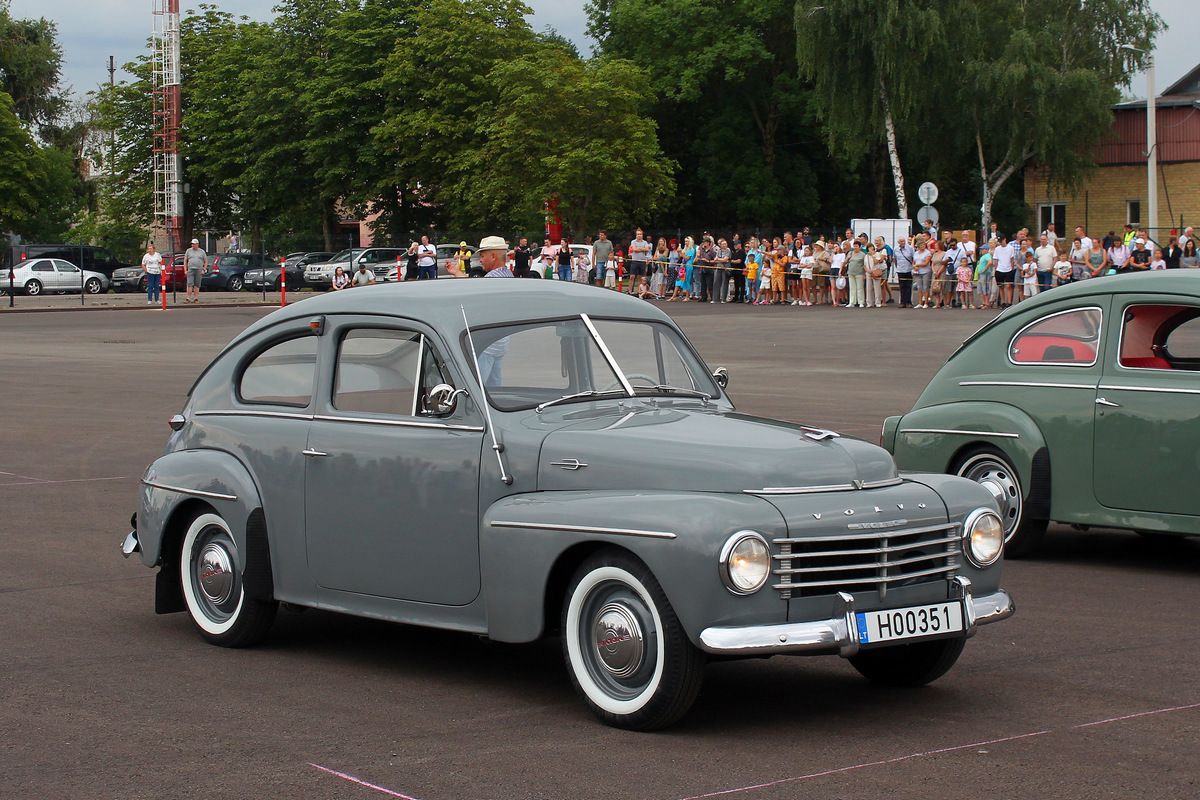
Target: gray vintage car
[(517, 459)]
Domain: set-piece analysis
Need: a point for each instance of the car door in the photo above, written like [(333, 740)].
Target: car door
[(391, 493), (43, 270), (1147, 430), (67, 276)]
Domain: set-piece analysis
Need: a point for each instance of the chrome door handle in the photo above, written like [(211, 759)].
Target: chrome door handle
[(1100, 401), (311, 452)]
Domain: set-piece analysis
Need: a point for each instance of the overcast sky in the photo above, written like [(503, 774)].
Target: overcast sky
[(92, 30)]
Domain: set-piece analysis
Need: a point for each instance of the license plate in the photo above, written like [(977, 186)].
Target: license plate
[(909, 623)]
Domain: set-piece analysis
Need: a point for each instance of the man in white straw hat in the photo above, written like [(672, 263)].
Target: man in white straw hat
[(493, 255)]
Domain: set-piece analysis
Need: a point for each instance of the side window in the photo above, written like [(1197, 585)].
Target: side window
[(64, 266), (43, 266), (1160, 337), (377, 371), (283, 374), (1069, 338)]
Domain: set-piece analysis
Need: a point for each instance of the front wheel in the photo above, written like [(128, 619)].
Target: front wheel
[(993, 470), (628, 656), (33, 288), (909, 664), (92, 286), (211, 572)]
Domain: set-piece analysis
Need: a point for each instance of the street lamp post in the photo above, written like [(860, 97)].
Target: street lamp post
[(1151, 143)]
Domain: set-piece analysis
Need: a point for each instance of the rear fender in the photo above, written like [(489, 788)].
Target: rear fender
[(182, 484)]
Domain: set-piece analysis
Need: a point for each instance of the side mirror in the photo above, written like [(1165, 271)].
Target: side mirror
[(721, 376), (443, 399)]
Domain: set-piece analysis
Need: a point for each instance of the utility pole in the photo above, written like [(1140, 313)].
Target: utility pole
[(112, 145)]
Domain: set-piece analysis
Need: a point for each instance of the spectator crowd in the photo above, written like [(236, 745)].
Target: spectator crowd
[(929, 270)]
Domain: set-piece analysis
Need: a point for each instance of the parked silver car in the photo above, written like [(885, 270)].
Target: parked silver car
[(517, 459), (40, 275)]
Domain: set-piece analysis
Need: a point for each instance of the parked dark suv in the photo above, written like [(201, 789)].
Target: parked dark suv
[(96, 259), (227, 270)]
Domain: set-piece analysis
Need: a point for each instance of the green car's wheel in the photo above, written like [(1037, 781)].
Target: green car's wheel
[(211, 574), (909, 664), (992, 469), (627, 654)]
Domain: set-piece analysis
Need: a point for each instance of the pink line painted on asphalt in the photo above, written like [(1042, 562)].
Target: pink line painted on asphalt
[(882, 762), (28, 481), (361, 782)]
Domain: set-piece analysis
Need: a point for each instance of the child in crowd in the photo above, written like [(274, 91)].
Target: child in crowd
[(806, 277), (610, 270), (643, 289), (752, 258), (985, 272), (764, 280), (1029, 276), (583, 266), (1158, 262), (1063, 270), (965, 288)]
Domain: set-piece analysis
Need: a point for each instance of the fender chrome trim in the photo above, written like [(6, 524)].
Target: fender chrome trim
[(546, 526), (197, 492), (998, 434)]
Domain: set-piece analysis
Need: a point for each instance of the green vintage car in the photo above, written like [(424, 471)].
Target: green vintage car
[(1078, 406)]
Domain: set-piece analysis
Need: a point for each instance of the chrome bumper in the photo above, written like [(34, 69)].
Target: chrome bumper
[(131, 545), (840, 632)]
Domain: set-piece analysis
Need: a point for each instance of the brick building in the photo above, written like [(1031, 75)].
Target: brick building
[(1115, 194)]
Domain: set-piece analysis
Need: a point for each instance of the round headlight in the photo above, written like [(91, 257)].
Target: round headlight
[(984, 533), (745, 562)]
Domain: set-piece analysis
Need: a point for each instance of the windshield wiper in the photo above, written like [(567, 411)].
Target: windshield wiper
[(589, 393), (681, 392)]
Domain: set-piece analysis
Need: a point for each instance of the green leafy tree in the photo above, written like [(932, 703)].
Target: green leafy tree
[(559, 127), (436, 82), (23, 174), (30, 67), (730, 107), (869, 61), (1039, 78)]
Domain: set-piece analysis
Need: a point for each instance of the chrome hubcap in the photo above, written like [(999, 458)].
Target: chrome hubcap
[(620, 645), (215, 572), (998, 479)]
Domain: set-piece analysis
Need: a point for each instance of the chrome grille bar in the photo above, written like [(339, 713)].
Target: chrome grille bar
[(866, 560)]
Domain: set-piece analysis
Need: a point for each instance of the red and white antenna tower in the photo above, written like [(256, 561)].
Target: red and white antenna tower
[(168, 175)]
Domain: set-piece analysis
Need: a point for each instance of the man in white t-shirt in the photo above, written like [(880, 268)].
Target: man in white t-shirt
[(426, 260), (1085, 241), (1005, 259), (1045, 255), (639, 254)]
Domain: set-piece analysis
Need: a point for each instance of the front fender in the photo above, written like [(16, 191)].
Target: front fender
[(933, 438), (189, 478), (531, 544)]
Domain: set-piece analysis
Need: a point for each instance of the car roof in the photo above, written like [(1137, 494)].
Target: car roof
[(441, 303), (1168, 281)]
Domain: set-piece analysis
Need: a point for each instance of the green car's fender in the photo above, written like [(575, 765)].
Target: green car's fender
[(938, 439)]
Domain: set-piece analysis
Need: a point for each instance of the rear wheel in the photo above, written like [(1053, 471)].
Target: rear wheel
[(908, 664), (211, 573), (235, 283), (992, 469), (33, 288), (628, 655)]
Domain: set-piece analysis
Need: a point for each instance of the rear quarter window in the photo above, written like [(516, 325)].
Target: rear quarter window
[(283, 374), (1066, 338)]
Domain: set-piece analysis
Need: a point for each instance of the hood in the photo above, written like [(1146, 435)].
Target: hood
[(703, 450)]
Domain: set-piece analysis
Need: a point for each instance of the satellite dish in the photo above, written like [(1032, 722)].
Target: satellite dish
[(927, 193), (927, 213)]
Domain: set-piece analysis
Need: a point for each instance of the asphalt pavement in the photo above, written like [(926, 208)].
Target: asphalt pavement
[(1092, 690)]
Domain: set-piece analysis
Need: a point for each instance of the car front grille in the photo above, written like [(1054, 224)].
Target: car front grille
[(866, 561)]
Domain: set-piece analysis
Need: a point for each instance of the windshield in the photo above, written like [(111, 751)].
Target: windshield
[(346, 255), (527, 365)]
